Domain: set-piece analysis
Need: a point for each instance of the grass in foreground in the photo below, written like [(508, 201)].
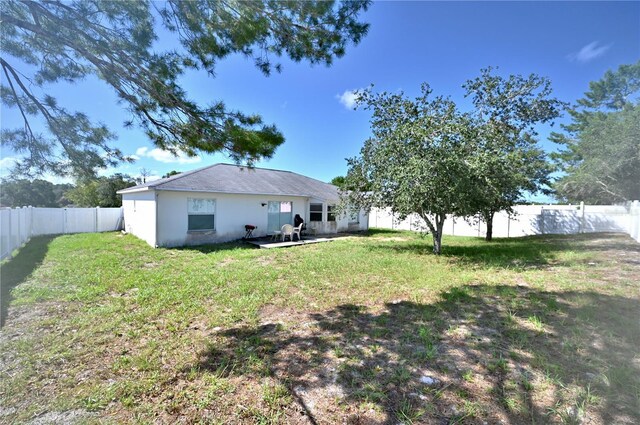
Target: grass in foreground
[(372, 329)]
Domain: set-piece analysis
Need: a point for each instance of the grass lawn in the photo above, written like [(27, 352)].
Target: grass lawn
[(373, 329)]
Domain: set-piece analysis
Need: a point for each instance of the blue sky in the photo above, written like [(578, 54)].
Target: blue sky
[(442, 43)]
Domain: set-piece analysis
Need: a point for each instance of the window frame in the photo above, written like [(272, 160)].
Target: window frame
[(311, 212), (331, 213), (202, 214), (354, 216)]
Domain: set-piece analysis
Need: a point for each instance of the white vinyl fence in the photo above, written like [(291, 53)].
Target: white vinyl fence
[(531, 220), (18, 225)]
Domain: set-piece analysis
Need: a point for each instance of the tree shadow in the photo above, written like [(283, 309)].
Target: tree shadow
[(381, 231), (571, 222), (527, 252), (483, 353), (215, 247), (15, 271)]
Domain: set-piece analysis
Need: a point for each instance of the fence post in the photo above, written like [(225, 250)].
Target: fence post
[(582, 217), (30, 221), (10, 237), (542, 220), (95, 221), (64, 221), (508, 224), (19, 211)]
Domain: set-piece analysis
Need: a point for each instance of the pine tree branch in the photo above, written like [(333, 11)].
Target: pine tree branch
[(24, 116)]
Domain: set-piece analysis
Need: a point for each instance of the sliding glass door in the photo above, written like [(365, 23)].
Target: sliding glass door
[(279, 214)]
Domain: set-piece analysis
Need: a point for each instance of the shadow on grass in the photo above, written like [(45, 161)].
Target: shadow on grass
[(217, 247), (483, 353), (15, 271), (378, 231), (523, 252)]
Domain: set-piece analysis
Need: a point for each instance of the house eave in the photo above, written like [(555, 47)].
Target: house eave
[(134, 190), (297, 195)]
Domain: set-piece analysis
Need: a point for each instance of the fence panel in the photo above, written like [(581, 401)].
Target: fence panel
[(533, 220), (48, 221), (5, 233), (18, 225), (109, 219), (634, 221), (81, 220)]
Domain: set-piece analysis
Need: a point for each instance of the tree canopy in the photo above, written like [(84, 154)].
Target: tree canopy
[(508, 161), (338, 181), (416, 160), (100, 192), (601, 146), (36, 193), (50, 41), (429, 158)]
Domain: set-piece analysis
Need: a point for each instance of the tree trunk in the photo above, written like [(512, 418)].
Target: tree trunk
[(488, 218), (436, 230), (437, 235)]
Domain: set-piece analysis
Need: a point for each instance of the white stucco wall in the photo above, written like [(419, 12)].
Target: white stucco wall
[(232, 213), (140, 215)]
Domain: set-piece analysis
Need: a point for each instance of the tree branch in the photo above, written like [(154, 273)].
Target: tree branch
[(24, 116)]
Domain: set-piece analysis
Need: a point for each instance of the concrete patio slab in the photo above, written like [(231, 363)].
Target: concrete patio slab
[(268, 243)]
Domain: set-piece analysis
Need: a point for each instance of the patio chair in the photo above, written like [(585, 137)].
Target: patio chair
[(298, 231), (287, 230)]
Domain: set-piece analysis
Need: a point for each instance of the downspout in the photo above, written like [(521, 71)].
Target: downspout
[(156, 220)]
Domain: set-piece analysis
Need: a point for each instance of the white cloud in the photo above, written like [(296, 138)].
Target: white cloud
[(590, 52), (6, 164), (348, 98), (166, 156)]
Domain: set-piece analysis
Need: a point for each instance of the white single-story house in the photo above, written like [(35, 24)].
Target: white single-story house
[(213, 204)]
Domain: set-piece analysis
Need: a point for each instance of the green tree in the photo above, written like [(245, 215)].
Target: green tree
[(60, 191), (416, 161), (100, 192), (338, 181), (508, 162), (22, 192), (50, 41), (171, 173), (601, 146)]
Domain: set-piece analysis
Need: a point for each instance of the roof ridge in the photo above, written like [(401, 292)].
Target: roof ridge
[(273, 169), (180, 175)]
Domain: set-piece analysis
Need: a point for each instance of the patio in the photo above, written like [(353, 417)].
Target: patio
[(268, 242)]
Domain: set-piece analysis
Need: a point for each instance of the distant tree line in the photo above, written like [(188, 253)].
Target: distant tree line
[(96, 192)]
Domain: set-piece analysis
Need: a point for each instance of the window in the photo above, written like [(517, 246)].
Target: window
[(201, 214), (315, 212), (331, 213), (354, 216)]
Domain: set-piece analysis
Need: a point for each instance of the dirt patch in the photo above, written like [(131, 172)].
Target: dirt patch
[(225, 262), (390, 238), (70, 417)]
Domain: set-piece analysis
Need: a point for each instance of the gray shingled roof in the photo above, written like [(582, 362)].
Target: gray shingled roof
[(228, 178)]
